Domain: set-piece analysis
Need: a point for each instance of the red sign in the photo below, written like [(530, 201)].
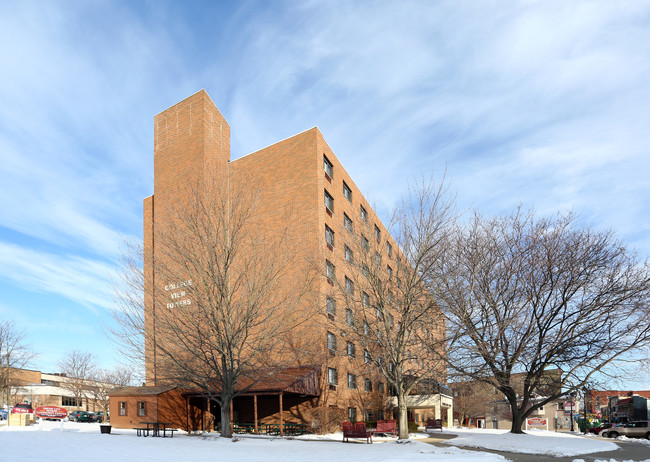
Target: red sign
[(51, 412)]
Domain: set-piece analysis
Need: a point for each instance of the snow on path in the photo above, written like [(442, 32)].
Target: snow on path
[(533, 442)]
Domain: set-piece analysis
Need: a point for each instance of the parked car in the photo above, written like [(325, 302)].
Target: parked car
[(22, 408), (99, 416), (640, 428), (600, 428), (3, 414), (80, 416)]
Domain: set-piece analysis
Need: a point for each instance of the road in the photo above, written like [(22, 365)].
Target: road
[(629, 452)]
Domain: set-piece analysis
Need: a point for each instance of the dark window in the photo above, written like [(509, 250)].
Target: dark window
[(352, 414), (348, 317), (364, 243), (377, 232), (380, 387), (349, 286), (364, 214), (351, 350), (122, 406), (377, 258), (332, 376), (390, 272), (329, 269), (347, 192), (347, 222), (331, 342), (368, 385), (389, 249), (329, 168), (366, 328), (68, 401), (366, 300), (349, 256), (352, 381), (366, 356), (141, 409), (329, 235), (329, 201), (331, 306)]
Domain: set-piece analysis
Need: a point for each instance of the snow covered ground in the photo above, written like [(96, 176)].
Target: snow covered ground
[(56, 442), (533, 442), (83, 441)]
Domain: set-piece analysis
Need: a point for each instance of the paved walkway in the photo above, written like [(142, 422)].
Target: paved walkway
[(629, 452)]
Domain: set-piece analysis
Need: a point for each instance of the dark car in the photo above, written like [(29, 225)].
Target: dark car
[(97, 416), (80, 416)]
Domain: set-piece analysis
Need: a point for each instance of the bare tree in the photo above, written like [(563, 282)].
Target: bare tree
[(385, 290), (228, 306), (525, 294), (128, 328), (104, 381), (79, 368), (14, 354)]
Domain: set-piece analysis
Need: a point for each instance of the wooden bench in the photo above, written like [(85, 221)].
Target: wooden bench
[(357, 430), (434, 424), (142, 431), (387, 427)]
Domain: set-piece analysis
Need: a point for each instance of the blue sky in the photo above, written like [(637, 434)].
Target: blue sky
[(541, 103)]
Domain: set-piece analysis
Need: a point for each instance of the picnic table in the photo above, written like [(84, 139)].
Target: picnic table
[(156, 429)]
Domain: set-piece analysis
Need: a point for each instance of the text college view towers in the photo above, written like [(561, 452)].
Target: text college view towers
[(258, 276)]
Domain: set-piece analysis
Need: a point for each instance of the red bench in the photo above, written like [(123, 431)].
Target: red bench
[(387, 427), (357, 430), (434, 424)]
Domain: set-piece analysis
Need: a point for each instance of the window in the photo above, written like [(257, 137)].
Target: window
[(380, 414), (377, 258), (329, 168), (347, 223), (366, 300), (352, 381), (348, 317), (329, 235), (390, 320), (366, 328), (389, 270), (352, 414), (141, 409), (331, 306), (122, 406), (329, 269), (329, 201), (380, 387), (379, 313), (347, 192), (349, 256), (389, 249), (331, 342), (365, 271), (351, 350), (364, 214), (68, 401), (377, 232), (391, 366), (366, 357), (368, 385), (364, 243), (349, 286), (332, 376)]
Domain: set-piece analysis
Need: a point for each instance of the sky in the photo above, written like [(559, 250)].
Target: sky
[(544, 104)]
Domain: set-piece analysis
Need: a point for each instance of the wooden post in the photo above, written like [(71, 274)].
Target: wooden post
[(281, 419), (255, 412)]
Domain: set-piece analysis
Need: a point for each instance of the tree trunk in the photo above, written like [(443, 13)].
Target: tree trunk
[(517, 420), (402, 416), (226, 431)]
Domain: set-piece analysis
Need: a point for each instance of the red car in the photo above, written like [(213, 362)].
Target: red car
[(22, 409), (601, 427)]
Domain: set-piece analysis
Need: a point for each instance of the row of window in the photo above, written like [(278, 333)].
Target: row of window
[(142, 408), (333, 379)]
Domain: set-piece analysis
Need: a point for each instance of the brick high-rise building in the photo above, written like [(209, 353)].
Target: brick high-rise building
[(301, 174)]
